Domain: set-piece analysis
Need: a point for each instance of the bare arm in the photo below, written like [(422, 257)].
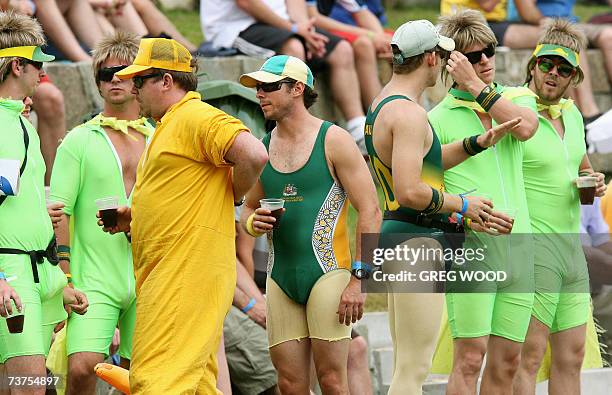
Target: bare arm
[(503, 110), (249, 157), (246, 289), (259, 10), (528, 11), (244, 249), (367, 20), (62, 233), (487, 5), (328, 23)]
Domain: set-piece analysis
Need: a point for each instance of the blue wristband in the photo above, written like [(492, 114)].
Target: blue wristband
[(249, 306), (294, 28), (2, 276), (459, 218), (356, 265), (464, 204)]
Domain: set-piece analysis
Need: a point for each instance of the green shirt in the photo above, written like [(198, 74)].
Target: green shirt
[(550, 166), (87, 168)]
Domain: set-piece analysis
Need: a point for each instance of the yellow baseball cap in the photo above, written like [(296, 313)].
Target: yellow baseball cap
[(158, 53)]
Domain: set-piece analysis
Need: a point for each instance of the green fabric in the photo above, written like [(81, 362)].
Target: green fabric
[(295, 266), (87, 168), (550, 166), (432, 173), (25, 225)]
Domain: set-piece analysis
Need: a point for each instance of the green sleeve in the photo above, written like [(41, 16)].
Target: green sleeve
[(66, 174)]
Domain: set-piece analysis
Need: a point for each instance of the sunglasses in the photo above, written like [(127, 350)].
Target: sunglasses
[(139, 80), (564, 69), (272, 86), (474, 57), (35, 64), (107, 74)]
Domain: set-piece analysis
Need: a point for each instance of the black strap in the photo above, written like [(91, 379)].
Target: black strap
[(36, 257), (26, 143), (424, 221)]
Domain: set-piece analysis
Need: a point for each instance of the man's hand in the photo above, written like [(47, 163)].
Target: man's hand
[(493, 135), (315, 42), (55, 210), (600, 186), (350, 309), (460, 68), (75, 300), (496, 224), (258, 314), (263, 221), (382, 43), (479, 209), (124, 218), (7, 293)]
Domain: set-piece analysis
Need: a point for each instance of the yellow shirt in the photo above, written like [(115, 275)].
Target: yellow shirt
[(182, 210), (498, 14)]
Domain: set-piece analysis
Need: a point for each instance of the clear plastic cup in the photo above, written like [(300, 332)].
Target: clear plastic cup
[(108, 210), (15, 320), (276, 208), (586, 189)]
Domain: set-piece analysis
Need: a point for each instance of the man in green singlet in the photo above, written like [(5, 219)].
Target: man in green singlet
[(316, 167), (553, 159), (98, 159), (490, 321), (409, 162)]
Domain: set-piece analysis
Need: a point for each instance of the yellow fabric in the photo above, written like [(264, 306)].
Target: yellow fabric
[(22, 52), (249, 227), (443, 357), (556, 110), (122, 125), (498, 14), (183, 237), (508, 94), (57, 360), (606, 206), (159, 53)]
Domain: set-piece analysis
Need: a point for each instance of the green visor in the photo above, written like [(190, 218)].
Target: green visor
[(556, 50)]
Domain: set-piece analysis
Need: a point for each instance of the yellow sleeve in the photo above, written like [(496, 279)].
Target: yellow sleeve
[(216, 136)]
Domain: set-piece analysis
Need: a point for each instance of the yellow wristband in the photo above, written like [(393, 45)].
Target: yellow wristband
[(249, 227)]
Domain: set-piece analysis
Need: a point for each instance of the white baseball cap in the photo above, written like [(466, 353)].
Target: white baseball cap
[(415, 37)]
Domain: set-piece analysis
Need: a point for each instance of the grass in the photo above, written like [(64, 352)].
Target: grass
[(188, 22)]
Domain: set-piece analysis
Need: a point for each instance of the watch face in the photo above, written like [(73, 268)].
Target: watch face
[(361, 273)]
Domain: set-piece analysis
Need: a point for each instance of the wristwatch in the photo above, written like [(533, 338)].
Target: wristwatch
[(361, 270), (239, 203)]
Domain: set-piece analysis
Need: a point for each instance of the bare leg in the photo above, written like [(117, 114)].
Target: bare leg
[(32, 366), (468, 356), (359, 379), (82, 19), (223, 378), (58, 31), (49, 106), (367, 70), (156, 22), (503, 357), (567, 352), (330, 359), (130, 21), (293, 47), (105, 25), (292, 361), (81, 376), (604, 42), (4, 390), (343, 80), (521, 36), (531, 358)]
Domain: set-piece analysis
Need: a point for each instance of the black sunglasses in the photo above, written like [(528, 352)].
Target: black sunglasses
[(37, 65), (272, 86), (474, 57), (107, 74), (139, 80), (564, 69)]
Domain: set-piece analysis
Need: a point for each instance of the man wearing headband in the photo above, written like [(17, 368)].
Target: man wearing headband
[(199, 164), (479, 316), (98, 159), (554, 158), (316, 169), (27, 243)]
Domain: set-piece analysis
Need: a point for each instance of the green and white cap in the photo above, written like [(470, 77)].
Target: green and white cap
[(415, 37), (277, 68)]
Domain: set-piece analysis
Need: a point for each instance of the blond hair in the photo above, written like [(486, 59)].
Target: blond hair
[(561, 32), (17, 30), (466, 28), (120, 45)]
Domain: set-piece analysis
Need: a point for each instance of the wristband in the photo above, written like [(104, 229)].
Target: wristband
[(249, 306), (249, 227), (294, 28), (63, 248), (459, 218), (437, 200), (467, 223), (2, 276), (487, 97), (69, 277), (471, 146), (584, 173), (356, 265), (464, 205)]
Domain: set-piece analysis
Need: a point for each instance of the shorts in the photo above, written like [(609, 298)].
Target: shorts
[(246, 350), (505, 314), (499, 30), (266, 41), (562, 311), (288, 320), (43, 303), (94, 331)]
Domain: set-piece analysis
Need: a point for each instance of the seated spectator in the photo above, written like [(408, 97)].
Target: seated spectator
[(369, 41), (48, 102), (525, 35), (343, 15), (141, 17), (267, 27), (67, 23)]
